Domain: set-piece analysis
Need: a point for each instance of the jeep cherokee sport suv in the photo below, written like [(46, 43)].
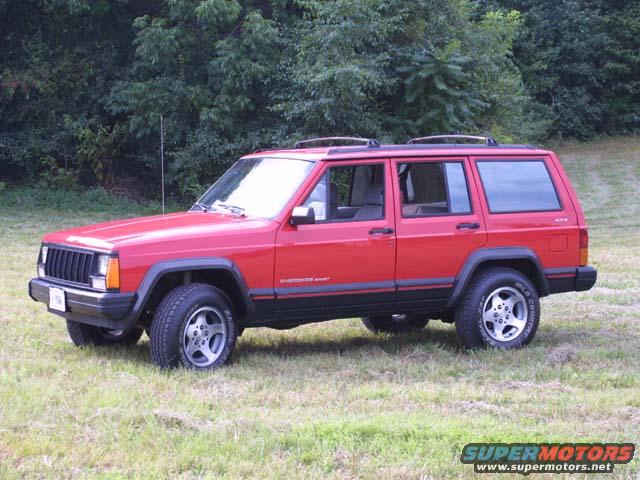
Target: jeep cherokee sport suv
[(473, 234)]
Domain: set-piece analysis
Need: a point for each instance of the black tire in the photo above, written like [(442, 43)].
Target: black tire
[(395, 323), (84, 335), (474, 332), (171, 319)]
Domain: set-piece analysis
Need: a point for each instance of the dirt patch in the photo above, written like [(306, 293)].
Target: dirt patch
[(561, 354), (470, 406), (516, 385), (179, 420)]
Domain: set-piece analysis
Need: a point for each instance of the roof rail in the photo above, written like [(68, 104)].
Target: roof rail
[(266, 149), (369, 142), (489, 141)]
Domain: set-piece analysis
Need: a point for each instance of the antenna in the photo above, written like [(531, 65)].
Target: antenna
[(162, 160)]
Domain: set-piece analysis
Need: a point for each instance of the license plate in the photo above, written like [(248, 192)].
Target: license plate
[(57, 299)]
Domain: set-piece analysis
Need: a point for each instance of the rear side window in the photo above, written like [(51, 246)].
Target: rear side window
[(518, 186), (433, 188)]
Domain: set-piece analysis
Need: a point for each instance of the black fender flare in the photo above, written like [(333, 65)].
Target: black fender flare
[(158, 270), (479, 257)]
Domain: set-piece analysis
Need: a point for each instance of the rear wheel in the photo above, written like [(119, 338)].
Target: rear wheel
[(399, 323), (194, 326), (83, 335), (501, 309)]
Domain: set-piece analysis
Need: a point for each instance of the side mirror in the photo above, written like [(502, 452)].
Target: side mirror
[(303, 216)]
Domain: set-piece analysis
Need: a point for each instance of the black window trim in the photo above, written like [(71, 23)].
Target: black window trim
[(446, 186), (328, 193), (526, 159)]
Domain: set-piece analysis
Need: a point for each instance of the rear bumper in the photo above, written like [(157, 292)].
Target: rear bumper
[(577, 279), (585, 278), (102, 309)]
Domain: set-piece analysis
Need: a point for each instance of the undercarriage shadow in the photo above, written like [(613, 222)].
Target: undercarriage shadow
[(297, 345)]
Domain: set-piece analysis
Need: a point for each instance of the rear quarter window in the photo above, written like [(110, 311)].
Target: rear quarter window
[(518, 186)]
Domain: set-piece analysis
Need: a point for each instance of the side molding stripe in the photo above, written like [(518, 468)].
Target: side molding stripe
[(342, 287), (354, 288), (560, 272), (426, 282)]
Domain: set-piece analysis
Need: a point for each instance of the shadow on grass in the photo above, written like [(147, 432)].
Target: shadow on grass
[(133, 354), (432, 339)]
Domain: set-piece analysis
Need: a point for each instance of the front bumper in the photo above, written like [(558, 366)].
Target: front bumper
[(101, 309)]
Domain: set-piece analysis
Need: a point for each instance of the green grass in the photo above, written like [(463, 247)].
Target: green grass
[(327, 400)]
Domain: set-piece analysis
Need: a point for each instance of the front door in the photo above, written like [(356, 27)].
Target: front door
[(345, 262)]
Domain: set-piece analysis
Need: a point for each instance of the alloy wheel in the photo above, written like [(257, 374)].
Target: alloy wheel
[(505, 314), (204, 336)]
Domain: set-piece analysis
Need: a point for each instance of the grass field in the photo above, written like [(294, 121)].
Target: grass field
[(329, 400)]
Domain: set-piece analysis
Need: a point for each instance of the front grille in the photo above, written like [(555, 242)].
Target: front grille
[(70, 265)]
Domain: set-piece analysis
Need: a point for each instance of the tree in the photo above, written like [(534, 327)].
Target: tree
[(210, 67)]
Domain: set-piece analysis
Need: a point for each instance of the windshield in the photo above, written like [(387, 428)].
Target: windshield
[(257, 187)]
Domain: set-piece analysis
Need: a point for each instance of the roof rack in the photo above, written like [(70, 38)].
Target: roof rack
[(369, 142), (489, 141)]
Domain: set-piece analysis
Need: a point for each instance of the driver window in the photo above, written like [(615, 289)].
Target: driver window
[(354, 192)]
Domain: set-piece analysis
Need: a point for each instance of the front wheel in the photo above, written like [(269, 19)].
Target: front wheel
[(194, 326), (83, 335), (399, 323), (501, 309)]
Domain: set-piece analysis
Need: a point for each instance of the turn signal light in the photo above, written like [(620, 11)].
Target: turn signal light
[(113, 273), (584, 247)]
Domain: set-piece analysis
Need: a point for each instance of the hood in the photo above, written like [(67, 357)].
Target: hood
[(114, 234)]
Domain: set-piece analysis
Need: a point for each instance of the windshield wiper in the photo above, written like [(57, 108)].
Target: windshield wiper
[(232, 208), (201, 206)]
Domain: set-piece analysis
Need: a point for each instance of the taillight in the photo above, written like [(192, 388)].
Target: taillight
[(584, 247)]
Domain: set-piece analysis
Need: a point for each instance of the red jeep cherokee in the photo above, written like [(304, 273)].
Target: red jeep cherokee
[(472, 234)]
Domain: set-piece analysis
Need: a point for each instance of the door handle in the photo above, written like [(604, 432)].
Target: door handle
[(376, 231), (469, 226)]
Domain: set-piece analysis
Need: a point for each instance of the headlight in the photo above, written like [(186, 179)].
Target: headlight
[(103, 264), (43, 254), (108, 274)]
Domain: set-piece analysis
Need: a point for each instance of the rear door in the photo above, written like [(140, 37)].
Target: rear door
[(345, 262), (526, 205), (439, 224)]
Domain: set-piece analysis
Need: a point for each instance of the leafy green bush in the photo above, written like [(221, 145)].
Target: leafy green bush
[(57, 178)]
